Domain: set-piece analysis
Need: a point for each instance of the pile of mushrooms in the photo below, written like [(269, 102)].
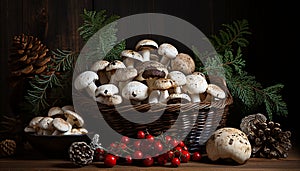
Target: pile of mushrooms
[(149, 73), (59, 121)]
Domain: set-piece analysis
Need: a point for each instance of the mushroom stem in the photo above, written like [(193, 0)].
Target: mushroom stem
[(150, 83), (153, 97), (195, 98), (91, 89), (165, 60), (146, 55), (122, 84), (177, 90), (164, 94), (129, 62)]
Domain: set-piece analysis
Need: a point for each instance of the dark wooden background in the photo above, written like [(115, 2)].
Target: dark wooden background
[(270, 55)]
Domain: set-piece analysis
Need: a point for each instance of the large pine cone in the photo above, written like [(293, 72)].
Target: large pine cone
[(81, 153), (266, 137), (7, 148), (28, 57)]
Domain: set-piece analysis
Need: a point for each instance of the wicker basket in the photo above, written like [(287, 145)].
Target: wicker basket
[(197, 120)]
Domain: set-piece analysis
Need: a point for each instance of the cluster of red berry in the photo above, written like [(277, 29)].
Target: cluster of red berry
[(158, 150)]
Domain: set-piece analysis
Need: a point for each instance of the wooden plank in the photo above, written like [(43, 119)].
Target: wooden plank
[(64, 20)]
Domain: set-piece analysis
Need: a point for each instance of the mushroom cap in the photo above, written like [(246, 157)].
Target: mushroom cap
[(35, 121), (132, 54), (76, 118), (135, 90), (99, 65), (110, 100), (68, 107), (55, 111), (184, 63), (178, 77), (116, 64), (150, 65), (195, 84), (229, 143), (84, 79), (199, 73), (167, 50), (146, 44), (61, 125), (107, 90), (163, 84), (216, 91), (125, 74), (178, 98), (46, 123)]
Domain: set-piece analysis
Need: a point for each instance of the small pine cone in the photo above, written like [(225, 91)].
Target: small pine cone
[(266, 137), (81, 153), (28, 57), (7, 147)]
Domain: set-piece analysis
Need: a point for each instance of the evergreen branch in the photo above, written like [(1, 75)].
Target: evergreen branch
[(232, 34), (64, 59), (93, 21)]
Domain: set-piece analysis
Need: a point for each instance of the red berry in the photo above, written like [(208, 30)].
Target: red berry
[(196, 156), (177, 151), (162, 160), (138, 154), (185, 156), (128, 159), (174, 142), (181, 144), (110, 160), (141, 134), (148, 161), (175, 162), (150, 138), (158, 146), (125, 139), (170, 155)]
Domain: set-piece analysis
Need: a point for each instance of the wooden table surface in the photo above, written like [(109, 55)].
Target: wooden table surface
[(35, 161)]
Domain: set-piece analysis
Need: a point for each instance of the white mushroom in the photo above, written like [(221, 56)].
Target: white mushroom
[(163, 85), (86, 80), (73, 118), (122, 76), (130, 56), (179, 98), (61, 126), (179, 79), (195, 85), (107, 90), (112, 67), (154, 96), (99, 67), (68, 107), (145, 46), (135, 91), (229, 143), (55, 111), (45, 126), (214, 92), (168, 53), (110, 100)]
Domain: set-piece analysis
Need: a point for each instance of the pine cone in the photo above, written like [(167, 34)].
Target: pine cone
[(7, 148), (266, 137), (81, 153), (28, 57)]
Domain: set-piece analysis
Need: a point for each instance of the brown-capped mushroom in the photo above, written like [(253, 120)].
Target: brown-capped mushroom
[(184, 63), (163, 85), (145, 46)]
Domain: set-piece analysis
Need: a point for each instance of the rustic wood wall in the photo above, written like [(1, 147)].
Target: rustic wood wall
[(55, 22)]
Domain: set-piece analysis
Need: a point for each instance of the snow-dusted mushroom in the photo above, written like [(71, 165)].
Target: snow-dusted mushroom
[(179, 79), (163, 85), (100, 68), (86, 80), (45, 126), (110, 100), (184, 63), (60, 126), (130, 56), (195, 85), (229, 143), (135, 91), (112, 67), (73, 118), (122, 76), (168, 53), (214, 92), (145, 46), (107, 90), (55, 111)]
